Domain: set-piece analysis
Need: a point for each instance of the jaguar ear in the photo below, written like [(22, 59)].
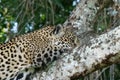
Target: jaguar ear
[(57, 29)]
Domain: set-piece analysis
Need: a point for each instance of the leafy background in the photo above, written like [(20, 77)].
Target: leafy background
[(23, 16)]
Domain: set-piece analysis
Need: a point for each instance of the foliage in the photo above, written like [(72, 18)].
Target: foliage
[(106, 17), (5, 22)]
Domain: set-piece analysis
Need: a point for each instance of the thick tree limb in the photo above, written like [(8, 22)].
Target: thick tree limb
[(100, 52)]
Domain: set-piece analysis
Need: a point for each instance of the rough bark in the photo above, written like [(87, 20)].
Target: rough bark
[(93, 53)]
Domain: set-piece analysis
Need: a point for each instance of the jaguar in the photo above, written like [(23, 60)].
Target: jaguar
[(21, 55)]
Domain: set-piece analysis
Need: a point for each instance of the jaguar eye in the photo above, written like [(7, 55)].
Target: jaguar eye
[(75, 44)]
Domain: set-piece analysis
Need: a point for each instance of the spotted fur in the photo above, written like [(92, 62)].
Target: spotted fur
[(34, 50)]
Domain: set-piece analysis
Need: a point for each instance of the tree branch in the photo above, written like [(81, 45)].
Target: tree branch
[(102, 51), (82, 15)]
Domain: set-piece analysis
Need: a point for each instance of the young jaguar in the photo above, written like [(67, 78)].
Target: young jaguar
[(20, 55)]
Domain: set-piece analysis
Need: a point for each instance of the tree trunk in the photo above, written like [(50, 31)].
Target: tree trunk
[(95, 51)]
